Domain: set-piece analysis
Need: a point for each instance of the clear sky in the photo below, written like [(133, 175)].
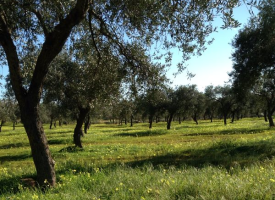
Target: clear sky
[(215, 63)]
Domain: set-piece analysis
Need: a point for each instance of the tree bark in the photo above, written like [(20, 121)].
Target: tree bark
[(150, 121), (233, 117), (1, 125), (87, 124), (51, 123), (170, 118), (79, 123), (195, 118), (270, 119), (132, 117), (224, 119), (39, 146), (265, 115)]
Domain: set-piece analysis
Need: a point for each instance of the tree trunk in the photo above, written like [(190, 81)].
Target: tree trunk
[(195, 119), (170, 118), (79, 123), (224, 119), (265, 115), (87, 124), (150, 121), (51, 123), (13, 125), (131, 121), (233, 117), (43, 161), (179, 120), (270, 119), (1, 125)]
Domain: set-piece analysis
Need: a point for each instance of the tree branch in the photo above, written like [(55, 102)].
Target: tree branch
[(93, 38), (40, 19), (53, 44), (7, 43)]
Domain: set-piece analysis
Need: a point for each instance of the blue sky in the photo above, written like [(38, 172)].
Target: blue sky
[(215, 63)]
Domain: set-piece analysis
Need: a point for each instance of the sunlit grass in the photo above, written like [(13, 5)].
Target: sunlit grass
[(205, 161)]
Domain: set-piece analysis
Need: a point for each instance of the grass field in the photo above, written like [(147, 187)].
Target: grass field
[(205, 161)]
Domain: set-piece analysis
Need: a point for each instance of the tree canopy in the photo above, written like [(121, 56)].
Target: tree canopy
[(254, 59), (33, 32)]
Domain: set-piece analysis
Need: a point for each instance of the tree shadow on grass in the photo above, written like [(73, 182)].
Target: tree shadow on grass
[(10, 185), (223, 154), (13, 145), (228, 132), (14, 158), (58, 141), (71, 149), (142, 133)]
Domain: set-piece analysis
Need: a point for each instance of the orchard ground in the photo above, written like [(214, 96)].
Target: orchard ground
[(205, 161)]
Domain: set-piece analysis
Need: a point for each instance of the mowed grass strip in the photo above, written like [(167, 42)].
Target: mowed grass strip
[(205, 161)]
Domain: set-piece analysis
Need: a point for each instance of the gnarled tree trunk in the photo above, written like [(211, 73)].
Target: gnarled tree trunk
[(42, 159)]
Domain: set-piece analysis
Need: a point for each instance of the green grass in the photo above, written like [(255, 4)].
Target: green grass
[(205, 161)]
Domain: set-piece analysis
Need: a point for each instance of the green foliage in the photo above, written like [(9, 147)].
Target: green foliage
[(205, 161), (254, 58)]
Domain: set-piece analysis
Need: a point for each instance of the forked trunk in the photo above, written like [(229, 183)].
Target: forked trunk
[(43, 161), (78, 132)]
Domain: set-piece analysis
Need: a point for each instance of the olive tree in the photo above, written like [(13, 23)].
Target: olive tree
[(253, 57), (41, 29)]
